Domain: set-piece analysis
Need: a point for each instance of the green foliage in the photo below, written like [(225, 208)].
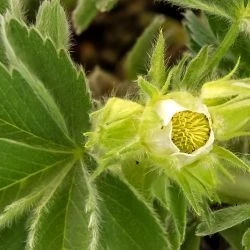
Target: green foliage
[(127, 222), (53, 192), (219, 219), (227, 9), (83, 14), (137, 60), (246, 240), (105, 5), (86, 10), (3, 6), (45, 174), (157, 70), (51, 21)]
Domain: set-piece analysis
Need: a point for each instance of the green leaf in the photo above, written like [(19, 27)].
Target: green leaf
[(13, 238), (39, 62), (83, 14), (199, 30), (23, 122), (157, 71), (220, 219), (246, 240), (65, 207), (136, 62), (224, 8), (105, 5), (127, 222), (175, 202), (51, 21), (234, 235), (3, 6), (191, 241), (3, 57)]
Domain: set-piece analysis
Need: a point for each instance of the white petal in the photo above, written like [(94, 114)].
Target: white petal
[(167, 108)]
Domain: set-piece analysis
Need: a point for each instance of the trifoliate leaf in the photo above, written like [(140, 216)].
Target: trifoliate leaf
[(51, 21)]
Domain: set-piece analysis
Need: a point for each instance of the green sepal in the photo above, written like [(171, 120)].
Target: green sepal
[(220, 91), (137, 60), (157, 71), (231, 119), (115, 125), (195, 70), (147, 88)]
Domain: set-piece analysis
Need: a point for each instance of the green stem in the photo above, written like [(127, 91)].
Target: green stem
[(227, 42)]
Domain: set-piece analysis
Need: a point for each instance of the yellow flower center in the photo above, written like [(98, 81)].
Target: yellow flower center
[(190, 130)]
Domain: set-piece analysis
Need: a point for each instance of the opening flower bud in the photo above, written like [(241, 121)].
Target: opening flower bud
[(182, 132)]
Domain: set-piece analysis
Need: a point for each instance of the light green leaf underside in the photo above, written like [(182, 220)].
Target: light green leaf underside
[(51, 21), (127, 223), (219, 219), (229, 9), (83, 14), (105, 5), (137, 59), (60, 219), (56, 72)]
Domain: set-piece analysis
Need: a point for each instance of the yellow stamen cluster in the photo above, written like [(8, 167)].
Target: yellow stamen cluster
[(190, 130)]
